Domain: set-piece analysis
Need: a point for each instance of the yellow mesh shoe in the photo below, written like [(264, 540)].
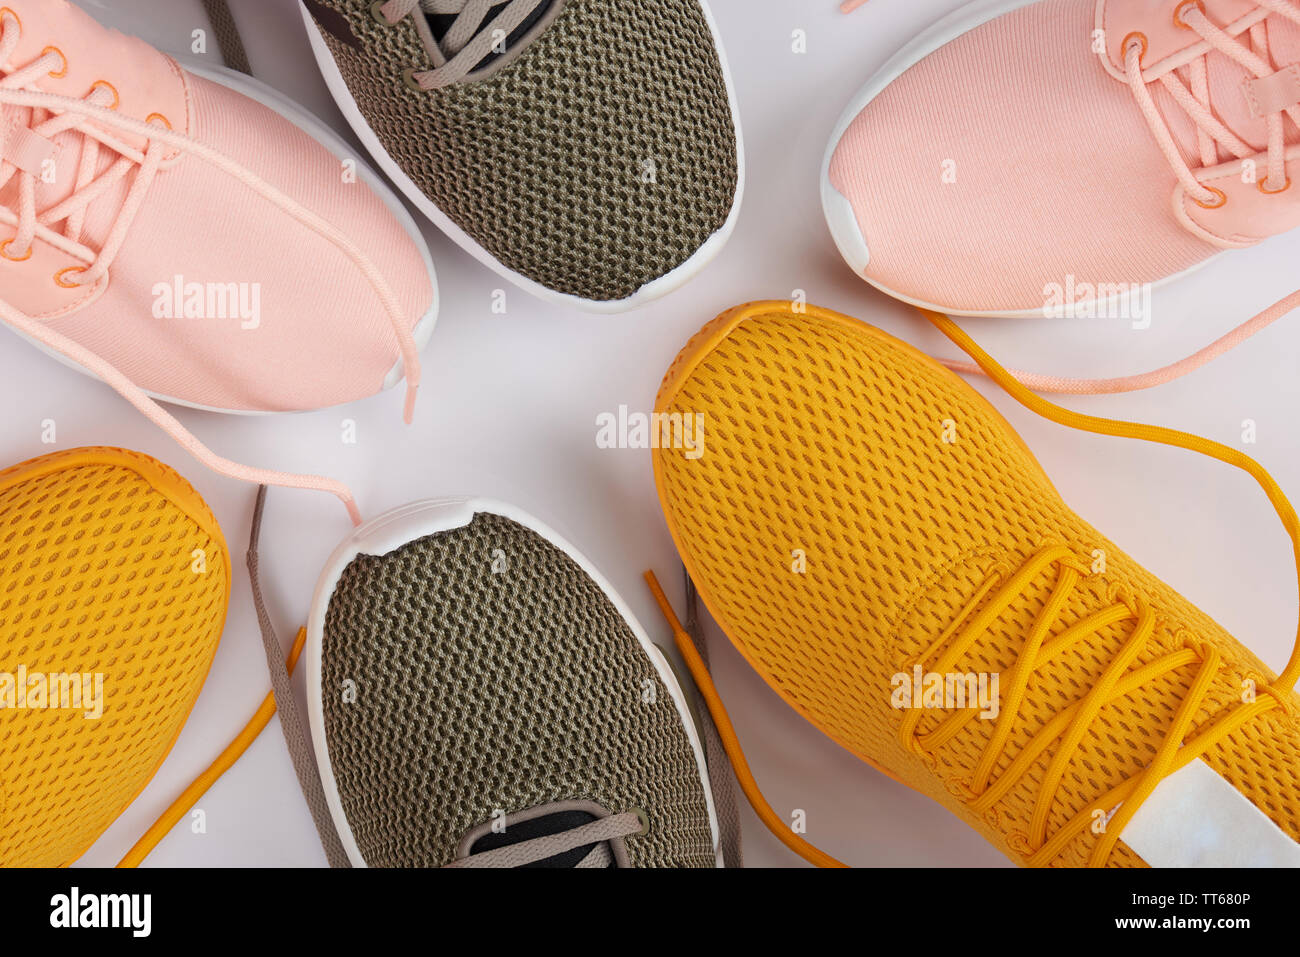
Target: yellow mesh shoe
[(861, 520), (114, 583)]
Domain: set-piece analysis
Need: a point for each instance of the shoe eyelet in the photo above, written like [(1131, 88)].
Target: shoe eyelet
[(1178, 12), (1223, 199), (62, 56), (117, 99), (9, 10), (4, 251), (58, 277), (377, 11), (1263, 188), (1136, 37), (644, 818), (409, 78), (158, 116)]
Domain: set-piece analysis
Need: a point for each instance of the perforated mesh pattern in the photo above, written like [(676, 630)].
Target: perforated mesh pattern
[(98, 574), (826, 436), (479, 691), (596, 161)]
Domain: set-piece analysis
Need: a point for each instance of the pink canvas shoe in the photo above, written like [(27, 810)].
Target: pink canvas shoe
[(1021, 159), (192, 236)]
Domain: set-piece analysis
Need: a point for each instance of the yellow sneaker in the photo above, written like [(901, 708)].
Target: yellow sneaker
[(114, 583), (885, 551)]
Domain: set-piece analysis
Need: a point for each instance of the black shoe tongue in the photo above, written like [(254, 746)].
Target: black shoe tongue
[(440, 24), (543, 826)]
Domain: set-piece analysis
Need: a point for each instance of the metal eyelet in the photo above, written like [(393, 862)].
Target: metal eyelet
[(1223, 199), (409, 78), (1263, 188), (17, 18), (376, 11), (644, 818), (4, 252), (58, 277), (62, 56)]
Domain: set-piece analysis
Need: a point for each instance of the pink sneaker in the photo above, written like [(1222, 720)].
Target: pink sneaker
[(1019, 156), (191, 234)]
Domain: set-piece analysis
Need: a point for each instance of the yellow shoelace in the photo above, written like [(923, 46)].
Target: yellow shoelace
[(1071, 724), (224, 762)]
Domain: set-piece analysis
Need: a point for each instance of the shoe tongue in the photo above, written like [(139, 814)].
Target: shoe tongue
[(1168, 45), (545, 825), (1229, 83)]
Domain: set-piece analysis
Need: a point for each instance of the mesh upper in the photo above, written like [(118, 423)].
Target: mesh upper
[(825, 435), (541, 162), (98, 575), (478, 692)]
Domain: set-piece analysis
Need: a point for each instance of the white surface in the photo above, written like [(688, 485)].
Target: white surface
[(1195, 818), (509, 410)]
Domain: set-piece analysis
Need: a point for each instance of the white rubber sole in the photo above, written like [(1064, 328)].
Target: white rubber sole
[(652, 290), (398, 527), (274, 100), (840, 217)]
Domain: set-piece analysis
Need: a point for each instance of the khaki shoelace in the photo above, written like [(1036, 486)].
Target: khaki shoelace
[(596, 833), (471, 39)]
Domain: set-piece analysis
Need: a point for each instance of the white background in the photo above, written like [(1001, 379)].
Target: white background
[(509, 411)]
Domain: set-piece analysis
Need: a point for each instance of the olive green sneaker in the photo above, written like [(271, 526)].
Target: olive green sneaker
[(587, 150), (478, 696)]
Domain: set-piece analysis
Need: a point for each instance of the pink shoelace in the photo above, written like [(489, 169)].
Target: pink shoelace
[(1211, 134), (70, 114)]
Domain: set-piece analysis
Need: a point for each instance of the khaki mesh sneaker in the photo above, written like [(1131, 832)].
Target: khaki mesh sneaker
[(478, 696), (587, 150)]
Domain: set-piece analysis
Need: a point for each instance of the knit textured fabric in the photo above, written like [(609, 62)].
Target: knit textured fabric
[(904, 491), (598, 159), (110, 565), (480, 692)]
